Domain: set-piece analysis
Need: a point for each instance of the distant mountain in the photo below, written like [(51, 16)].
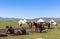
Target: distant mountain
[(46, 19), (9, 19), (35, 19)]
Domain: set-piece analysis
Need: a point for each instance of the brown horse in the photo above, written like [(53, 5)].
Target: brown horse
[(36, 25), (46, 24), (30, 24), (42, 24)]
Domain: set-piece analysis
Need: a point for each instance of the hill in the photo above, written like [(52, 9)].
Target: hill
[(46, 19), (9, 19), (35, 19)]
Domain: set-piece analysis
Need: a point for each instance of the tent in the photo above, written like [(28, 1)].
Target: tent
[(52, 21), (40, 20)]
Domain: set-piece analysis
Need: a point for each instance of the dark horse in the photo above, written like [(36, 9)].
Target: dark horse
[(36, 25), (39, 25), (46, 24), (30, 24)]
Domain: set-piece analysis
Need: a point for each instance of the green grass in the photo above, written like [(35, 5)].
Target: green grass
[(14, 24), (51, 33)]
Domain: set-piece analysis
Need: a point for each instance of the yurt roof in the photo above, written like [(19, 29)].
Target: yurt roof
[(40, 20), (52, 20)]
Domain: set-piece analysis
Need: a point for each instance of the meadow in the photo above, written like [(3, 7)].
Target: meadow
[(50, 33)]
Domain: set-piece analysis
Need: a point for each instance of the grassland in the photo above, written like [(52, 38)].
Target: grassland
[(51, 33)]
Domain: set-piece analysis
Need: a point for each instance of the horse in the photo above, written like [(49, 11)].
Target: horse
[(21, 22), (36, 25), (30, 24), (46, 24)]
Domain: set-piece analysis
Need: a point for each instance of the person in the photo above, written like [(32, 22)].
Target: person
[(23, 30), (7, 27), (17, 32), (11, 30)]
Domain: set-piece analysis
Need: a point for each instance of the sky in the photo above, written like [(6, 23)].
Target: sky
[(29, 8)]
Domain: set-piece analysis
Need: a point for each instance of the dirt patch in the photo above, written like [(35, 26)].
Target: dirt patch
[(39, 38)]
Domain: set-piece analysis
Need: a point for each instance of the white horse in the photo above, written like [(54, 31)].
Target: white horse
[(54, 24), (22, 22)]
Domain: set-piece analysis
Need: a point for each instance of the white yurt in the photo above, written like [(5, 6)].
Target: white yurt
[(52, 21), (40, 20)]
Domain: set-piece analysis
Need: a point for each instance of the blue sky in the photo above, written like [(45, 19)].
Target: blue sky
[(29, 8)]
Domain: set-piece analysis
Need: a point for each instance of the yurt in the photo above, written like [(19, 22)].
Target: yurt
[(40, 20), (52, 21)]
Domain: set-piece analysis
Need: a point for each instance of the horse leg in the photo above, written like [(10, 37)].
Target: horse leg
[(40, 29), (43, 27), (36, 29), (48, 26)]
